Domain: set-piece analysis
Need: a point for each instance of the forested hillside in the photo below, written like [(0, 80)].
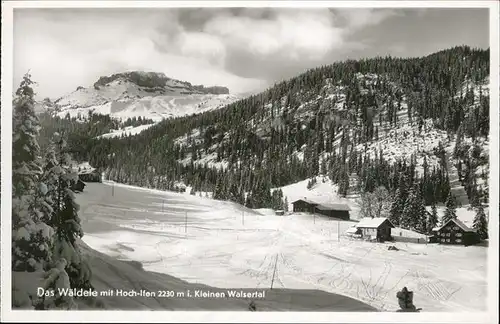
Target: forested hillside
[(392, 122)]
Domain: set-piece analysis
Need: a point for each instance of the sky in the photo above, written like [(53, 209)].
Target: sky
[(244, 49)]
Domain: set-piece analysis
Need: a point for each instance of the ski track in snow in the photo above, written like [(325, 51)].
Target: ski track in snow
[(226, 245)]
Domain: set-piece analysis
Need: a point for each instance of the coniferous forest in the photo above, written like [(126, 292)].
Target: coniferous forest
[(322, 122)]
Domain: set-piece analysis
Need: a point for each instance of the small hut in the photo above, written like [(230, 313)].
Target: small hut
[(378, 228)]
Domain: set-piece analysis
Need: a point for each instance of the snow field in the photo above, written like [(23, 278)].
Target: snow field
[(227, 245)]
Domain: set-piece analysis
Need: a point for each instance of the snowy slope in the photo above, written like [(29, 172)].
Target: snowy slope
[(109, 273), (226, 245), (127, 131)]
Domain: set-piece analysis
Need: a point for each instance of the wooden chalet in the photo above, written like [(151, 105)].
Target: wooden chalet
[(378, 228), (456, 232), (90, 175), (340, 211)]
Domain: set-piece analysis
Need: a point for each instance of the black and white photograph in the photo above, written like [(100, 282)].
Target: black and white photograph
[(250, 161)]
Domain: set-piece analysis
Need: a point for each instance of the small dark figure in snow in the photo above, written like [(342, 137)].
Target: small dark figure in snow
[(252, 307), (405, 300)]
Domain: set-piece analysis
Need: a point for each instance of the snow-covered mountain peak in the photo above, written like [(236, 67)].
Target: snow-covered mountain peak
[(142, 94)]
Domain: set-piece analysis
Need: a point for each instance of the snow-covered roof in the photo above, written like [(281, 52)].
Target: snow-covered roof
[(352, 230), (369, 222), (325, 206), (333, 207), (306, 200), (459, 223), (87, 171)]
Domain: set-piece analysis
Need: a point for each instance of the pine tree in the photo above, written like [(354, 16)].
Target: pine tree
[(66, 222), (421, 214), (397, 206), (31, 237), (413, 216), (432, 219), (50, 178), (450, 212), (481, 223), (285, 204)]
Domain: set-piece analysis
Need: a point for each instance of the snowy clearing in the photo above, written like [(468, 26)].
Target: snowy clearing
[(226, 245), (127, 131)]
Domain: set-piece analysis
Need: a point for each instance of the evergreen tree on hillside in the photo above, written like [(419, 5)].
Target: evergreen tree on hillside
[(421, 214), (408, 214), (432, 219), (451, 209), (398, 205), (50, 178), (414, 214), (481, 223), (31, 237)]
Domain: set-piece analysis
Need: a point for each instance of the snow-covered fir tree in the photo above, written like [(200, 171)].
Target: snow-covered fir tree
[(481, 223), (50, 179), (421, 215), (66, 222), (413, 216), (31, 237), (451, 209), (57, 280), (432, 219), (397, 206)]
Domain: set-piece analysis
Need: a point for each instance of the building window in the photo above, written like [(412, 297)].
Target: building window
[(455, 228), (448, 240), (458, 240), (443, 240), (458, 234), (448, 234)]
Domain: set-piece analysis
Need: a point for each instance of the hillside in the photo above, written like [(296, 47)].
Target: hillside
[(377, 122)]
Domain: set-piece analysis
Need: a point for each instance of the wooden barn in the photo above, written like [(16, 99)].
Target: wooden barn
[(340, 211), (333, 210), (90, 176), (378, 228), (304, 205), (456, 232)]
